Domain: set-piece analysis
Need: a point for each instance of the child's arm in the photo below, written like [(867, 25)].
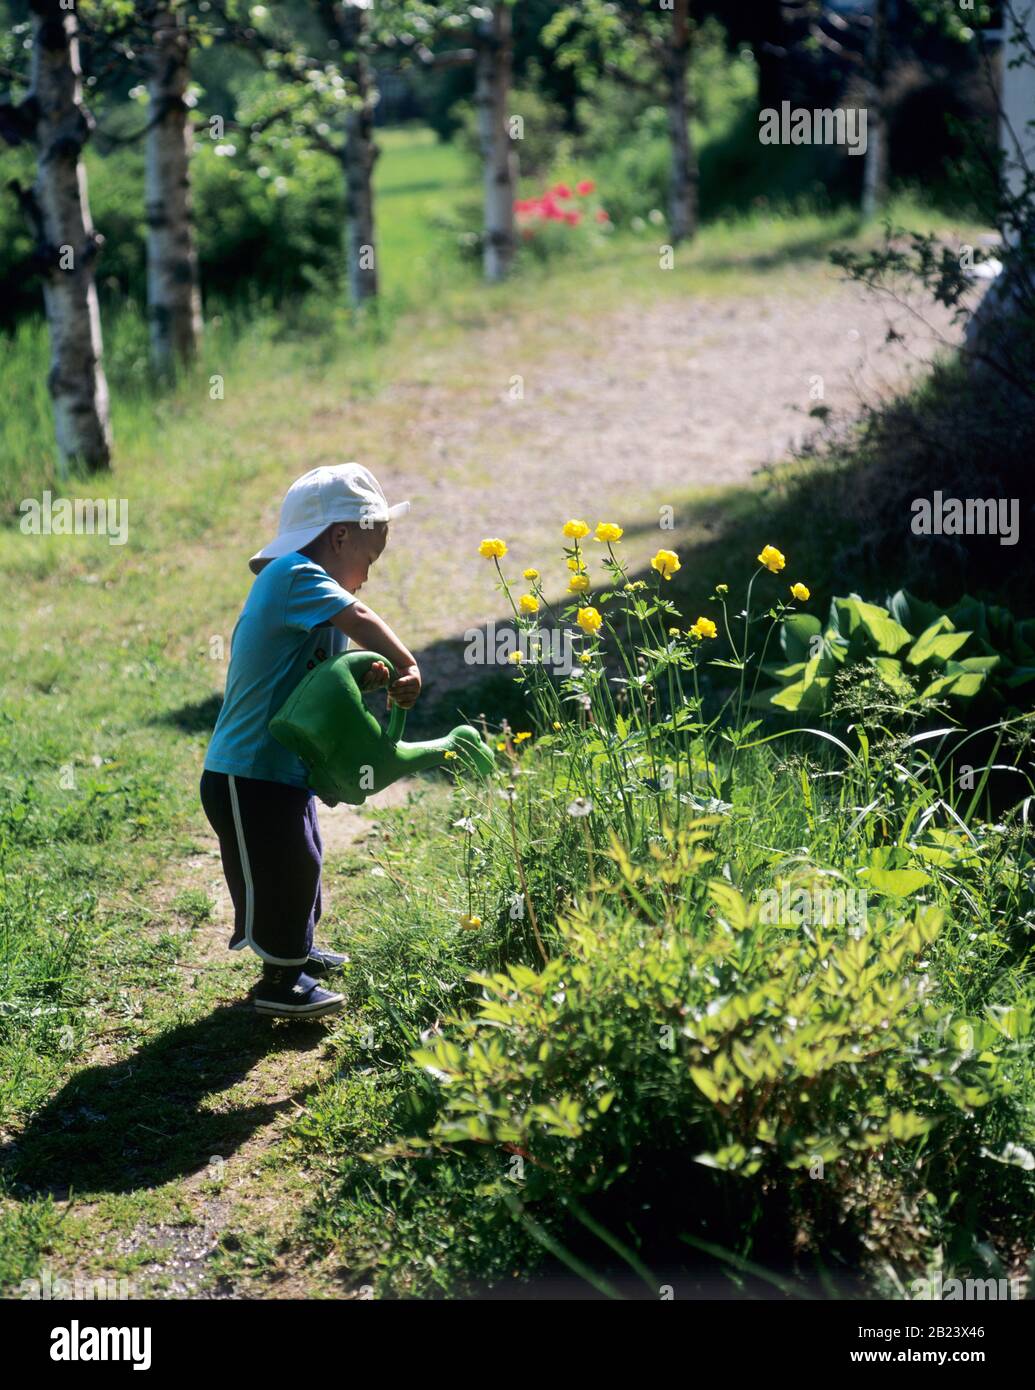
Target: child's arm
[(362, 626)]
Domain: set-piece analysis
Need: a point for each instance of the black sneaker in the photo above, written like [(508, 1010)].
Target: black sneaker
[(322, 962), (288, 992)]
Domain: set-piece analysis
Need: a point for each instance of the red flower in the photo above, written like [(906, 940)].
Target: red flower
[(561, 190), (602, 215), (573, 217), (585, 187)]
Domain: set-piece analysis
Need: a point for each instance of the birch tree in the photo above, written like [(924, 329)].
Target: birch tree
[(53, 118), (418, 32), (493, 46), (646, 45), (326, 100), (173, 290)]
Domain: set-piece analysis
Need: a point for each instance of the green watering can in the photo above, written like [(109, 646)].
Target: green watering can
[(346, 752)]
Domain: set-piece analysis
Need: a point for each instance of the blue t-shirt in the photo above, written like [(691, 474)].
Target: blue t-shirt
[(283, 631)]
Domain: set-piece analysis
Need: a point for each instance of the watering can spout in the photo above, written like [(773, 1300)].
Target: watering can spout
[(347, 754)]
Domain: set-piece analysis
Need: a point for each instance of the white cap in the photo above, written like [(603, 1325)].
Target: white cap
[(324, 495)]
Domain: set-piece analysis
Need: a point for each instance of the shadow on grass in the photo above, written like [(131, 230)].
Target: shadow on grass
[(158, 1114), (195, 717)]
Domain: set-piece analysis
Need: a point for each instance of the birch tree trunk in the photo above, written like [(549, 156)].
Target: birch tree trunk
[(173, 293), (683, 178), (359, 156), (61, 212), (492, 94), (875, 169)]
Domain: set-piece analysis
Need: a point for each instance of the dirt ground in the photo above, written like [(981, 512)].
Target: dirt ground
[(638, 409)]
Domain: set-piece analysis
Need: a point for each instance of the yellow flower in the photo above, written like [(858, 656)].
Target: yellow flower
[(704, 627), (575, 530), (608, 531), (493, 548), (634, 585), (528, 603), (585, 657), (530, 574), (673, 632), (470, 922), (449, 753), (516, 657), (578, 583), (666, 562), (556, 723), (501, 746), (589, 620), (771, 558), (520, 738), (801, 591), (576, 563), (721, 590)]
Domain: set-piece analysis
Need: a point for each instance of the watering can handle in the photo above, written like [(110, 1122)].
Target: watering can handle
[(361, 663)]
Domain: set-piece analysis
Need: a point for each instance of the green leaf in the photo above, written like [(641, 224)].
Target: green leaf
[(796, 636), (856, 617), (937, 643), (890, 671), (897, 883)]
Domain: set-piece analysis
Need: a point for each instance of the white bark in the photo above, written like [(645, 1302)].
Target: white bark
[(683, 178), (492, 94), (77, 384), (359, 156), (173, 293)]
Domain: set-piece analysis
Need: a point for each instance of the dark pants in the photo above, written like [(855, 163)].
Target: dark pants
[(269, 840)]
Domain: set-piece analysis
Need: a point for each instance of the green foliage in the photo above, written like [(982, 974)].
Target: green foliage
[(766, 1048), (915, 650), (656, 1040)]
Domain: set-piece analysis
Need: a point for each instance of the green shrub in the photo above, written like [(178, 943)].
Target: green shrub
[(972, 652)]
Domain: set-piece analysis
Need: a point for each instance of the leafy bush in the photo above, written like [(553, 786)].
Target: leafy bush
[(920, 652), (662, 1068)]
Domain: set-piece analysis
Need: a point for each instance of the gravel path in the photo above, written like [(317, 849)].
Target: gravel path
[(636, 411)]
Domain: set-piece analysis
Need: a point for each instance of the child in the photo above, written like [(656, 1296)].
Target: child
[(301, 609)]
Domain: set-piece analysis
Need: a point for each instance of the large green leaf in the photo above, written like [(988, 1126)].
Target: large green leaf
[(891, 674), (797, 634), (957, 682), (897, 883), (857, 619), (913, 613), (937, 643), (808, 695)]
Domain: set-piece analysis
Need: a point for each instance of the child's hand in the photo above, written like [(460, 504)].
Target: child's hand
[(406, 687), (376, 677)]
